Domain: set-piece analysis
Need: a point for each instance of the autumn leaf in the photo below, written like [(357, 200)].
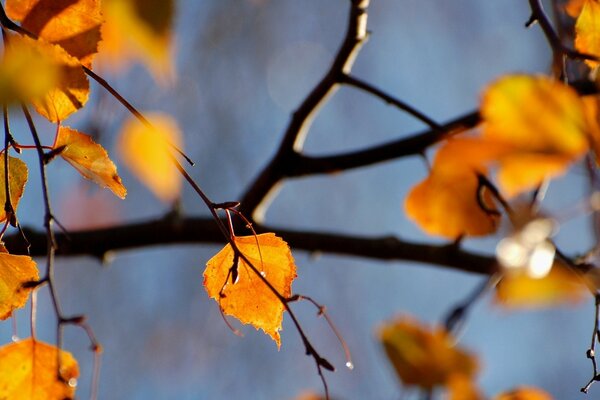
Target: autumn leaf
[(446, 202), (14, 272), (17, 178), (524, 393), (560, 285), (29, 371), (74, 25), (573, 7), (139, 29), (146, 151), (248, 298), (90, 159), (540, 122), (426, 357), (587, 30)]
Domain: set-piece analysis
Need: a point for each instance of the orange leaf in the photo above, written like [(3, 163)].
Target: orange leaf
[(17, 177), (14, 272), (541, 121), (524, 393), (72, 24), (146, 151), (573, 7), (90, 159), (249, 299), (29, 371), (446, 202), (425, 357), (587, 30), (518, 289)]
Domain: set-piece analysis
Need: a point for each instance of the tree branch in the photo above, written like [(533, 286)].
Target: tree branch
[(99, 242)]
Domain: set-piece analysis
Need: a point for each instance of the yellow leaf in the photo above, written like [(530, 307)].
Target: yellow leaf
[(14, 272), (248, 298), (139, 29), (29, 371), (147, 152), (518, 289), (524, 393), (425, 357), (541, 121), (573, 7), (17, 178), (72, 24), (446, 202), (27, 71), (90, 159), (587, 30), (461, 387)]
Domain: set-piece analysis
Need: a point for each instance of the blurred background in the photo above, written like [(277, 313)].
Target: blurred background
[(242, 66)]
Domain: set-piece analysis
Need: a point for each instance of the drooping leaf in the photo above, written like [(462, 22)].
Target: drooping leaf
[(524, 393), (587, 30), (90, 159), (248, 298), (14, 272), (72, 24), (446, 202), (426, 357), (29, 371), (543, 124), (518, 289), (17, 178), (139, 29), (27, 71), (146, 151)]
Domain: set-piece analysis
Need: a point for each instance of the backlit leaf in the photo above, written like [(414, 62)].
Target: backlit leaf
[(573, 7), (587, 30), (146, 151), (14, 272), (17, 178), (72, 24), (29, 371), (518, 289), (248, 298), (426, 357), (446, 202), (90, 159), (524, 393)]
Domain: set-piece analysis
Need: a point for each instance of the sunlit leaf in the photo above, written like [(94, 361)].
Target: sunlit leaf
[(17, 178), (518, 289), (27, 71), (462, 387), (146, 151), (541, 121), (72, 24), (446, 202), (573, 7), (139, 29), (90, 159), (587, 30), (29, 371), (248, 298), (524, 393), (14, 272), (426, 357)]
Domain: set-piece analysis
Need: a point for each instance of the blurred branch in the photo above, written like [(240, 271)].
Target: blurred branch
[(99, 242)]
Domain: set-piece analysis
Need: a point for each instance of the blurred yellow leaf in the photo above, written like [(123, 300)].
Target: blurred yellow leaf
[(446, 202), (14, 272), (524, 393), (245, 296), (17, 178), (146, 151), (139, 29), (426, 357), (72, 24), (543, 124), (90, 159), (518, 289), (461, 387), (587, 30), (29, 371)]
